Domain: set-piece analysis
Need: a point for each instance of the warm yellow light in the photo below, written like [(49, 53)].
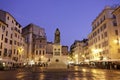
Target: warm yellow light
[(117, 41), (42, 56), (32, 62), (104, 58), (97, 58), (84, 70), (96, 50), (86, 60), (76, 56), (3, 64), (83, 56), (24, 64), (20, 50)]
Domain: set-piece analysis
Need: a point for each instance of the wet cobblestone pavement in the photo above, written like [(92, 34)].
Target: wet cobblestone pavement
[(77, 73)]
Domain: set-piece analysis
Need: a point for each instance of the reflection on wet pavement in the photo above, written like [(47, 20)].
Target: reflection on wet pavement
[(78, 73)]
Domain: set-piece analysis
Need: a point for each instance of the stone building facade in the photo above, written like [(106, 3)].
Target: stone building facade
[(104, 38), (35, 37), (12, 42)]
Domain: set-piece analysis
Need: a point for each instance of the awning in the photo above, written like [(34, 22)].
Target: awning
[(109, 60)]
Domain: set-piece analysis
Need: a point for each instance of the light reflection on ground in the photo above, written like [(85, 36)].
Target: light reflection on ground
[(60, 74)]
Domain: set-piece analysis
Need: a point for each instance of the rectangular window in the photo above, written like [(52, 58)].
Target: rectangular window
[(43, 52), (101, 29), (0, 53), (3, 28), (100, 20), (98, 31), (15, 35), (6, 33), (102, 36), (11, 35), (17, 52), (9, 53), (14, 51), (18, 36), (15, 42), (10, 42), (103, 44), (99, 45), (18, 43), (8, 17), (98, 37), (57, 53), (114, 16), (6, 40), (114, 23), (36, 52), (39, 52), (1, 46), (116, 32), (12, 21), (105, 34), (103, 18), (2, 37), (5, 52), (104, 26)]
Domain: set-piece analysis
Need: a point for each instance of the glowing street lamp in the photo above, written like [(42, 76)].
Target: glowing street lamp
[(20, 50)]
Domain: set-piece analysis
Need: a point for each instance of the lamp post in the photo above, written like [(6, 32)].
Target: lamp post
[(20, 50)]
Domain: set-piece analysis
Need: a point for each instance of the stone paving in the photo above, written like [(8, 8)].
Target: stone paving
[(76, 73)]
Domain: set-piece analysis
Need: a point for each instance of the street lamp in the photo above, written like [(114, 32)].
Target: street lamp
[(20, 50)]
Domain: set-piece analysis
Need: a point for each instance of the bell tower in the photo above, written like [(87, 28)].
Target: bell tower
[(57, 61), (57, 47), (57, 36)]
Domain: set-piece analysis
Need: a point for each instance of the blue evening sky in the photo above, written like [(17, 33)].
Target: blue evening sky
[(72, 17)]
